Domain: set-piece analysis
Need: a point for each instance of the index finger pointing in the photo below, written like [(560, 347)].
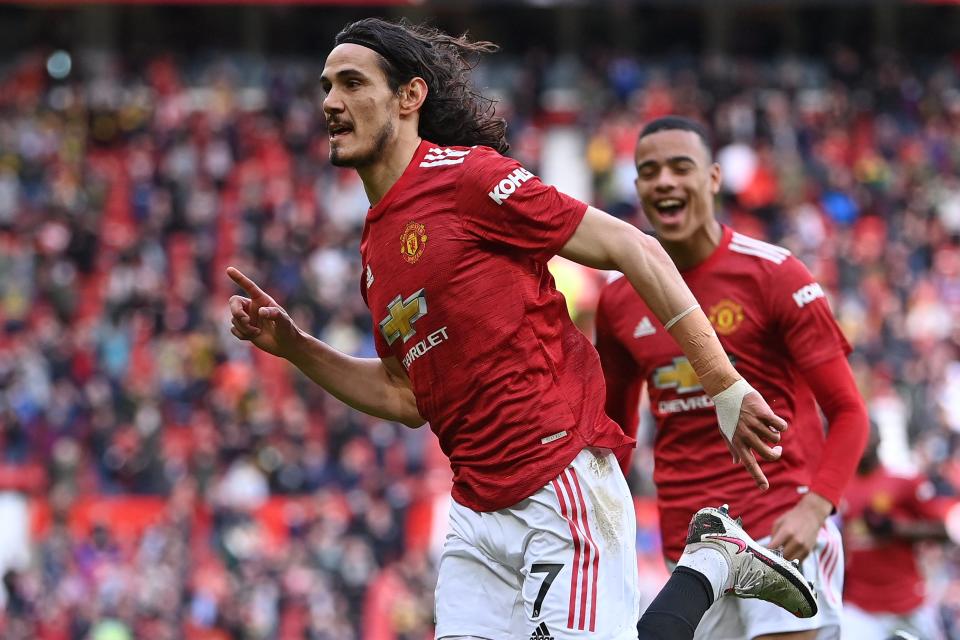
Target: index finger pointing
[(754, 469), (245, 283)]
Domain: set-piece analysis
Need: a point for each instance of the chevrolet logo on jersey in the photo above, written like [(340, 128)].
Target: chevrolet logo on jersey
[(679, 375), (403, 313)]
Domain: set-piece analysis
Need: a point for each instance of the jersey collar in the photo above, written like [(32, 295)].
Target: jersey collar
[(722, 248), (377, 210)]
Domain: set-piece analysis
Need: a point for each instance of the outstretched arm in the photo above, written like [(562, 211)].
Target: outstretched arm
[(377, 386), (604, 242)]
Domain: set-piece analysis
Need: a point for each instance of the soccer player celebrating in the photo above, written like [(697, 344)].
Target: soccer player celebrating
[(884, 516), (473, 337), (777, 328)]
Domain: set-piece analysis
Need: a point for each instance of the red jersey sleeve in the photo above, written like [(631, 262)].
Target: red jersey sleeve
[(921, 501), (501, 202), (836, 392), (803, 316)]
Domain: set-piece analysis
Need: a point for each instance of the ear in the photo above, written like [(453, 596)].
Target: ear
[(412, 96), (715, 178)]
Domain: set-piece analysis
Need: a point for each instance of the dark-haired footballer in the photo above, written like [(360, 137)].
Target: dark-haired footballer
[(473, 337)]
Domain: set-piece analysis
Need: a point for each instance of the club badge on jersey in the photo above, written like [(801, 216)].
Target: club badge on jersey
[(413, 241), (726, 316)]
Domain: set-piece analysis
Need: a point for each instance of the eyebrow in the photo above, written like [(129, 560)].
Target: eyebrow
[(344, 73), (670, 160)]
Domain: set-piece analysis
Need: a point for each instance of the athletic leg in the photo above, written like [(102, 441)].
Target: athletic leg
[(720, 559), (676, 611)]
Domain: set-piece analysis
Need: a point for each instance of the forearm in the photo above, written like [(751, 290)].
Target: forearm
[(366, 384), (603, 242), (656, 279), (846, 437), (848, 425)]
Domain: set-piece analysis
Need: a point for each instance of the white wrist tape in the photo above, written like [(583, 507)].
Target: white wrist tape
[(680, 316), (727, 403)]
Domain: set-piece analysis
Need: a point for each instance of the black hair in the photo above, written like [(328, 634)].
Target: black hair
[(679, 123), (453, 113)]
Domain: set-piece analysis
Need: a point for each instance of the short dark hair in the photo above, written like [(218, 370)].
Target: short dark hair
[(453, 113), (681, 123)]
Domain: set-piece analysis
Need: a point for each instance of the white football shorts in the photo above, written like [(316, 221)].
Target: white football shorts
[(738, 618), (921, 623), (560, 564)]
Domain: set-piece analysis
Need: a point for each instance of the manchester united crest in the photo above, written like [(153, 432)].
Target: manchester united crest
[(412, 241), (726, 316)]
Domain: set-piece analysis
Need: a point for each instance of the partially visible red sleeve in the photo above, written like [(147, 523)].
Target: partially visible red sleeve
[(923, 503), (501, 202), (803, 315), (622, 377), (848, 426)]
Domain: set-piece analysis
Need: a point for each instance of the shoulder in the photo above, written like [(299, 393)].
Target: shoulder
[(763, 254), (774, 265), (616, 291), (485, 164), (486, 172), (443, 158), (614, 284)]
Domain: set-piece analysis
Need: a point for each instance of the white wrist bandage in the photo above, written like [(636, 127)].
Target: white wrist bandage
[(680, 316), (727, 403)]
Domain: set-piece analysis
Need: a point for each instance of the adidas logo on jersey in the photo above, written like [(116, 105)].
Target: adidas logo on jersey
[(541, 633), (509, 184), (644, 328)]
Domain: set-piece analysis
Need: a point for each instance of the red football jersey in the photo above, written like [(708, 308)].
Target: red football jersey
[(773, 320), (454, 273), (883, 575)]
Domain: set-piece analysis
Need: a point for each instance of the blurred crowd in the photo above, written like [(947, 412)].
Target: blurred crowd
[(124, 193)]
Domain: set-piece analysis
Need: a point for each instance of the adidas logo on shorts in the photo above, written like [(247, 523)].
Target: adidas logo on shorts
[(541, 633)]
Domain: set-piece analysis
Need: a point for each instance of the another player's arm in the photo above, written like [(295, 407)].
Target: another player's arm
[(924, 515), (921, 531), (836, 392), (604, 242), (377, 386), (884, 527), (818, 349)]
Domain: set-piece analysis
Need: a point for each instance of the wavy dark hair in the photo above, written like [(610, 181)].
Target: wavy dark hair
[(453, 113)]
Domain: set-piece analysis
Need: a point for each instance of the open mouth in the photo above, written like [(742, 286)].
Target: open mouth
[(337, 130), (670, 210)]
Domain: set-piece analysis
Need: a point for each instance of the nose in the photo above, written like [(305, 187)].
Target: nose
[(332, 103), (666, 180)]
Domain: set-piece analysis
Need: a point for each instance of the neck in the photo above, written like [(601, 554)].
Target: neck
[(695, 249), (381, 175)]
